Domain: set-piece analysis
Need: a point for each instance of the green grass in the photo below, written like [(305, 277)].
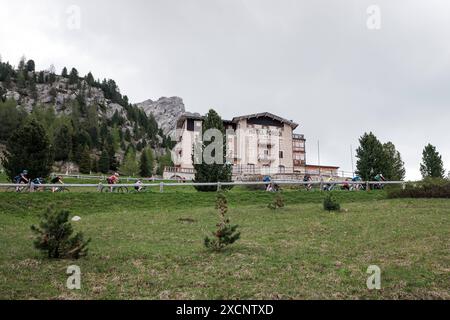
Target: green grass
[(143, 246)]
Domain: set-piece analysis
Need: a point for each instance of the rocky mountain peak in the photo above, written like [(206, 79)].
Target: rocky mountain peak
[(165, 110)]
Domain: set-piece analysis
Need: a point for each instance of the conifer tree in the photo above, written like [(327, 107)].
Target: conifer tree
[(28, 148), (225, 233), (432, 165), (85, 161), (63, 143), (371, 157), (146, 163), (73, 77), (395, 167), (215, 172), (53, 236), (103, 163), (30, 66)]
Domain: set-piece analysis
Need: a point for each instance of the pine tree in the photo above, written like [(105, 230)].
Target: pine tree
[(225, 233), (11, 118), (22, 65), (73, 77), (395, 165), (28, 148), (146, 163), (432, 165), (103, 163), (85, 161), (90, 79), (330, 202), (371, 157), (64, 73), (63, 143), (30, 66), (53, 236), (216, 172)]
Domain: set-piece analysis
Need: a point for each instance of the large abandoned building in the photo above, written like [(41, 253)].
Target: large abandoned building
[(257, 145)]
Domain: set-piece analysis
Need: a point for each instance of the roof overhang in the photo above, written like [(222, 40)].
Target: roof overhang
[(269, 115)]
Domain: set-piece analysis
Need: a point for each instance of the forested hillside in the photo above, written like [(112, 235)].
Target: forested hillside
[(91, 126)]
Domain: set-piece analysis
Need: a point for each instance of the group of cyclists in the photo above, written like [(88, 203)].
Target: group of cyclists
[(331, 184), (114, 179), (270, 186), (23, 179)]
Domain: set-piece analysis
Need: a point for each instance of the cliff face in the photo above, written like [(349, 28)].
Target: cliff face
[(165, 110), (60, 94)]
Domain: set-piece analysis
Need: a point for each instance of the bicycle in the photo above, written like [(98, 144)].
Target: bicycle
[(21, 187), (58, 189), (142, 189), (110, 189)]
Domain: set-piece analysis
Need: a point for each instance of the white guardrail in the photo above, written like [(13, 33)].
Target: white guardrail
[(161, 185), (104, 177)]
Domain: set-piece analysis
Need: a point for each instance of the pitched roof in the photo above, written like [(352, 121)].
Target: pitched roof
[(196, 116), (269, 115)]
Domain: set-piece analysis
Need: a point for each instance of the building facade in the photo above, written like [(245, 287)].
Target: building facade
[(256, 145)]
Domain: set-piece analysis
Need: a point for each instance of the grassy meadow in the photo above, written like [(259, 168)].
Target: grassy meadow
[(150, 246)]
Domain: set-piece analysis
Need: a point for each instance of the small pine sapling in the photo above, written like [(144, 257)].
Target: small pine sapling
[(53, 236), (330, 203), (226, 233), (278, 202)]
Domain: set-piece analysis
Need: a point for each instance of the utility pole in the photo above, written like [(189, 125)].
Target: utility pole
[(318, 158), (351, 155)]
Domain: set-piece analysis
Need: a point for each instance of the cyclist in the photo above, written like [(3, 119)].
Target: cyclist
[(307, 178), (379, 178), (37, 182), (114, 179), (21, 178), (358, 185), (138, 185), (346, 185), (329, 186), (56, 180), (267, 181)]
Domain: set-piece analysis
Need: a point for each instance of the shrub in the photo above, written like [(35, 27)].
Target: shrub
[(278, 202), (226, 233), (54, 236), (428, 188), (330, 202)]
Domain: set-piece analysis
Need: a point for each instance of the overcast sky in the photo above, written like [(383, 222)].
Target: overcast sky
[(315, 62)]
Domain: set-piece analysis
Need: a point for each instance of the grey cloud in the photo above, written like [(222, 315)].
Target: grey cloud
[(312, 61)]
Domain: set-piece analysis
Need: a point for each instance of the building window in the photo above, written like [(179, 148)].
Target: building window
[(190, 125), (282, 169), (281, 154)]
